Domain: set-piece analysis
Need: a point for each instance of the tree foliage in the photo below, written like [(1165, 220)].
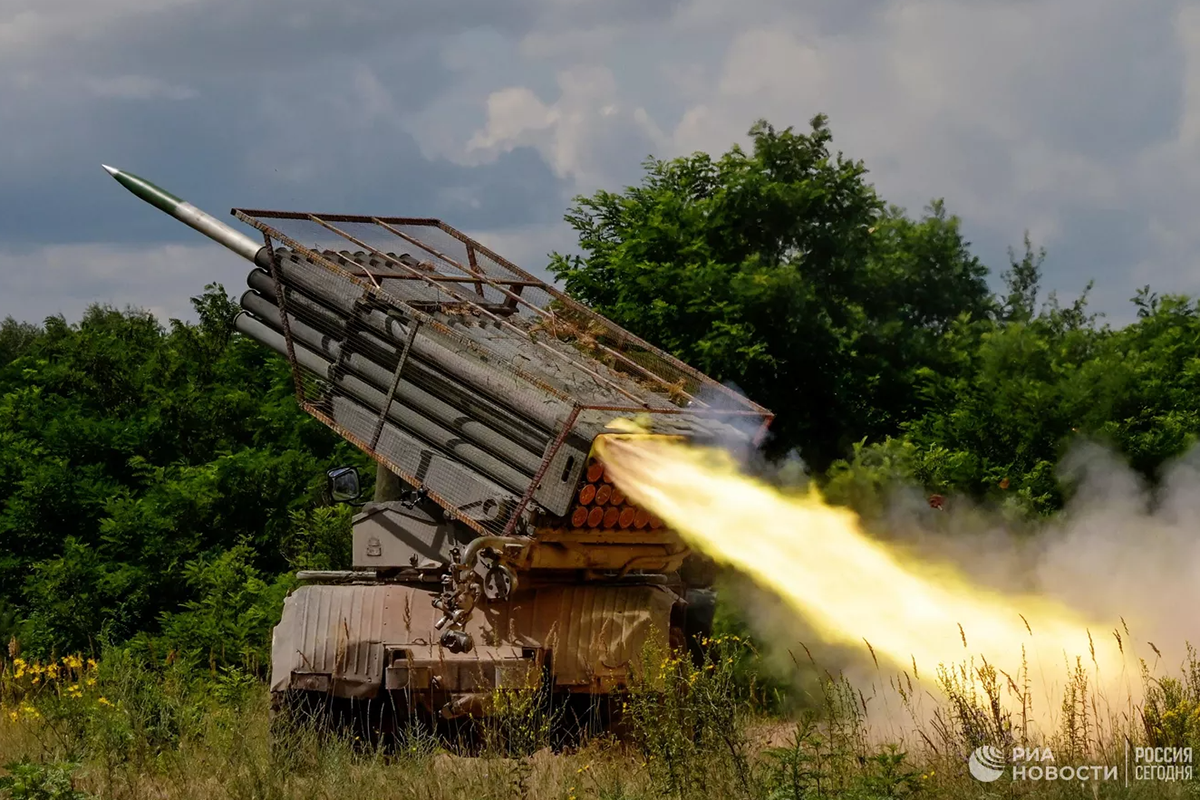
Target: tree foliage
[(131, 454), (158, 484), (781, 271)]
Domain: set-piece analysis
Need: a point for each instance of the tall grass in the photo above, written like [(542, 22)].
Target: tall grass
[(121, 727)]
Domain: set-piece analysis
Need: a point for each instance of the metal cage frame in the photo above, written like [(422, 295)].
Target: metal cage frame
[(464, 284)]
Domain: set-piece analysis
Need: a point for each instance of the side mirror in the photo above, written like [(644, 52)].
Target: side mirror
[(344, 484)]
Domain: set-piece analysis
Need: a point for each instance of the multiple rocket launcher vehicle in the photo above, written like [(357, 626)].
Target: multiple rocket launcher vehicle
[(497, 551)]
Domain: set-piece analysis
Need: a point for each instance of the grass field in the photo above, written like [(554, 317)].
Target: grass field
[(123, 727)]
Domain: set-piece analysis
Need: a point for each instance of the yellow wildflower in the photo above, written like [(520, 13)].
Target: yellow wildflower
[(13, 715), (91, 681), (104, 701)]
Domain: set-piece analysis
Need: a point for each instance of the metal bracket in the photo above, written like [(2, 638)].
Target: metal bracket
[(353, 325), (281, 299), (391, 393), (535, 484)]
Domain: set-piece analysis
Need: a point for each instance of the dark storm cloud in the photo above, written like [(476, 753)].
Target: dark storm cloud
[(258, 90), (1072, 119)]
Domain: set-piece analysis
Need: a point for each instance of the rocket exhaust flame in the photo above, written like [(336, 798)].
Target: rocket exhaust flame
[(849, 587)]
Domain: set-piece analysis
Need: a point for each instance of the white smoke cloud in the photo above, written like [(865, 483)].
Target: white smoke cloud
[(1123, 553)]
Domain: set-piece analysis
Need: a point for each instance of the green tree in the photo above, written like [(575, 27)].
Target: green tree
[(781, 271), (15, 339), (129, 450), (1024, 383), (1153, 412), (234, 608)]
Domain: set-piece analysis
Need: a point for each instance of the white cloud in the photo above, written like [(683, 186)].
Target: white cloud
[(922, 97), (515, 116), (578, 134)]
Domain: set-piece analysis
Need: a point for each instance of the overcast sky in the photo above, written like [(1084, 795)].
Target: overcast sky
[(1078, 120)]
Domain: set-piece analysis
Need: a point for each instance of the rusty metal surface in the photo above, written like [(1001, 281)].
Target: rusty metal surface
[(337, 637), (281, 295), (547, 458), (403, 235), (618, 557), (550, 359), (596, 633), (403, 474), (317, 258)]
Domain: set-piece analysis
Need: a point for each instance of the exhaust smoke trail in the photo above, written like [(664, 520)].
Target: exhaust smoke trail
[(849, 587)]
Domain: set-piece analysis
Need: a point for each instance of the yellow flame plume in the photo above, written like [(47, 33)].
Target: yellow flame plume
[(849, 586)]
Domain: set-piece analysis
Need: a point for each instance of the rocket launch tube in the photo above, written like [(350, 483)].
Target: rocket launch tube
[(420, 401), (432, 378), (407, 420), (547, 412), (526, 455), (484, 377), (462, 489)]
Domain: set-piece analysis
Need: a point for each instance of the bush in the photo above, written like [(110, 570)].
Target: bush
[(28, 780)]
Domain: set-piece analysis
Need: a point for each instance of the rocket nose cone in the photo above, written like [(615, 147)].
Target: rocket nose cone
[(110, 170)]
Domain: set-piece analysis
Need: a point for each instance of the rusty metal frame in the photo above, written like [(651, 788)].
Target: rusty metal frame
[(354, 270), (551, 450), (251, 217), (467, 301), (411, 480), (391, 393), (623, 337), (397, 303), (515, 299), (280, 297)]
